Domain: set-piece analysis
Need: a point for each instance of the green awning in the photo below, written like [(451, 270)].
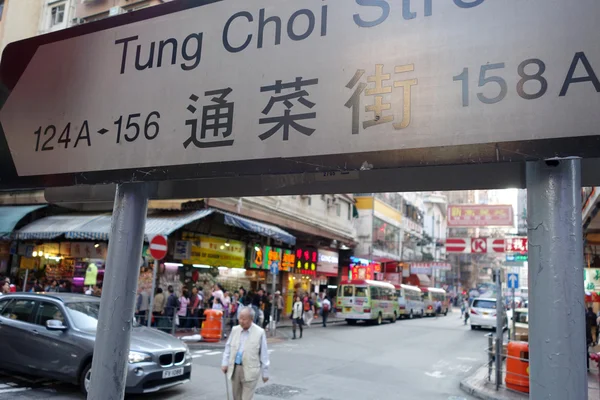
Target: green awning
[(10, 217)]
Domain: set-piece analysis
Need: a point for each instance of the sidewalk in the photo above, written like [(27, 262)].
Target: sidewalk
[(281, 336), (477, 385)]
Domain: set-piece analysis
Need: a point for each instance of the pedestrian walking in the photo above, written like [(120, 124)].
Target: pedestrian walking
[(182, 313), (308, 310), (158, 309), (297, 316), (267, 307), (194, 305), (171, 308), (142, 305), (325, 307), (279, 303), (246, 357)]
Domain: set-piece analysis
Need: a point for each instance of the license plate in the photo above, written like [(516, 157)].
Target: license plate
[(485, 313), (348, 309), (172, 373)]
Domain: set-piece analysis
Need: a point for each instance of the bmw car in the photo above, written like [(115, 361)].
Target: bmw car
[(52, 335)]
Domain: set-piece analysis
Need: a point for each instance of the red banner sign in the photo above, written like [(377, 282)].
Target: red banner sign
[(475, 245), (480, 215), (516, 245)]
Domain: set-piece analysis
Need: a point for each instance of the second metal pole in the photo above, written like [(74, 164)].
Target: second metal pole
[(514, 320), (499, 327), (151, 309), (117, 306), (557, 341)]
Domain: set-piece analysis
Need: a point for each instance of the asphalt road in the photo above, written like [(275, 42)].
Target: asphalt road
[(421, 359)]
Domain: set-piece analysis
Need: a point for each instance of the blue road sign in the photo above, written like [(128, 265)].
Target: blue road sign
[(513, 281), (274, 267)]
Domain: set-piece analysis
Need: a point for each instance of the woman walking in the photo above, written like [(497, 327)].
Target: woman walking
[(182, 313), (297, 313)]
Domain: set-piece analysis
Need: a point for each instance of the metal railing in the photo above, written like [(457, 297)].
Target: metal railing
[(499, 377)]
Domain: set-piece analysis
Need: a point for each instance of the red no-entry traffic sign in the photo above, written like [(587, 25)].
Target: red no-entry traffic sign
[(158, 247)]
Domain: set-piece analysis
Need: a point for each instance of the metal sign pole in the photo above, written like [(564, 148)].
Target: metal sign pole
[(557, 348), (151, 309), (109, 366), (514, 321), (499, 327), (273, 305)]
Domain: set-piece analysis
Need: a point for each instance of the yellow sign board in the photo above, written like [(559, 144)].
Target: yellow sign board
[(215, 251)]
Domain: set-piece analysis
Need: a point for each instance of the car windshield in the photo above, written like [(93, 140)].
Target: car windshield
[(84, 314), (489, 304)]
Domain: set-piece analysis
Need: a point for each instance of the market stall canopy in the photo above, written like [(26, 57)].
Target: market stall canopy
[(11, 215), (424, 280), (97, 226), (259, 227)]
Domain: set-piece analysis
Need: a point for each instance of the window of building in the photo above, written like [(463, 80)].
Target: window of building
[(1, 9), (309, 200), (386, 237), (57, 15), (338, 209)]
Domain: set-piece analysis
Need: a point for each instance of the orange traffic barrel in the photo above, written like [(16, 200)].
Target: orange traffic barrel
[(212, 328), (517, 366)]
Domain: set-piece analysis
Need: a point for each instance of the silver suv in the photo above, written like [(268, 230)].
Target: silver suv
[(52, 335)]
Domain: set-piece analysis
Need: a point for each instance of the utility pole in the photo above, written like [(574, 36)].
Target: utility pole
[(557, 343)]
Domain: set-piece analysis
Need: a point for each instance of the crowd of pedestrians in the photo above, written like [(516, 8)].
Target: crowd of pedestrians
[(184, 311)]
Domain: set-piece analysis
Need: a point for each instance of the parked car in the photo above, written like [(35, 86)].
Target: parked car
[(52, 335), (483, 313)]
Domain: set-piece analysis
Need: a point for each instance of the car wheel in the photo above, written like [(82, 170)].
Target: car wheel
[(351, 321), (472, 327), (411, 316), (379, 320), (394, 318), (85, 378)]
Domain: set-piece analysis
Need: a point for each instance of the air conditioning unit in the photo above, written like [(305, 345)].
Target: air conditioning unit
[(77, 21)]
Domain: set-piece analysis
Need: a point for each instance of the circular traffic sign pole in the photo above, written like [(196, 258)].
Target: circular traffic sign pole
[(158, 251)]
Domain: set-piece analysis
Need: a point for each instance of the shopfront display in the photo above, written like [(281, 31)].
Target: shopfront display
[(361, 268)]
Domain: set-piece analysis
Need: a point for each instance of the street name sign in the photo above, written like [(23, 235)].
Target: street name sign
[(205, 89), (513, 281)]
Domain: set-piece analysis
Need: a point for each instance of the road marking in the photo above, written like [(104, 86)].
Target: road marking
[(435, 374), (13, 390), (466, 359), (213, 353), (201, 351), (197, 356)]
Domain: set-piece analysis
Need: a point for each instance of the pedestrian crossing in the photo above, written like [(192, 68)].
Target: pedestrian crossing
[(203, 353)]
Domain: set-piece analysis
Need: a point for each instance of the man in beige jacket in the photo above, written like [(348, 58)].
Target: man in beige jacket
[(246, 357)]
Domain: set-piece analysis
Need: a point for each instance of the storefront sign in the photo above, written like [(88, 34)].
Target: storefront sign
[(216, 252), (516, 244), (29, 263), (591, 279), (428, 267), (25, 249), (182, 250), (393, 277), (288, 261), (328, 263), (460, 215), (264, 256), (306, 261)]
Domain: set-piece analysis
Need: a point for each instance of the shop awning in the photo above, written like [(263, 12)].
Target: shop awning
[(97, 226), (424, 280), (11, 215), (259, 227)]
